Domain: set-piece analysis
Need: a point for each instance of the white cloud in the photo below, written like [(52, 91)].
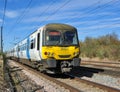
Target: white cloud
[(11, 14)]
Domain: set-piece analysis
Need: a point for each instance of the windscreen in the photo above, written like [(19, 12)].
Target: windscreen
[(59, 37), (70, 38), (53, 37)]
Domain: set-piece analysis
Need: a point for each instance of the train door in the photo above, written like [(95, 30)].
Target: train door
[(38, 46), (32, 48), (35, 47)]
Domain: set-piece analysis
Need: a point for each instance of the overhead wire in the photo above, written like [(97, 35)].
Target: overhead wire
[(89, 11), (62, 7), (106, 26), (53, 13), (100, 7), (23, 13), (49, 6), (26, 9), (19, 19), (45, 10), (21, 16)]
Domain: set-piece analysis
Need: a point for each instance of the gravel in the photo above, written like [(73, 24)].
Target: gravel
[(105, 79), (81, 86), (52, 87), (47, 85)]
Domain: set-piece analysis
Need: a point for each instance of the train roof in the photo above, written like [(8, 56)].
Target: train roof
[(58, 26)]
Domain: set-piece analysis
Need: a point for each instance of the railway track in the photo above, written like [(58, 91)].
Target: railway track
[(104, 87), (89, 71), (102, 64), (107, 62), (38, 74), (72, 83)]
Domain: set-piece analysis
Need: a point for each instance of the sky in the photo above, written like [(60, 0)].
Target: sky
[(92, 18)]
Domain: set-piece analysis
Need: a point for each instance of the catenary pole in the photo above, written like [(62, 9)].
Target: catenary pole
[(1, 39)]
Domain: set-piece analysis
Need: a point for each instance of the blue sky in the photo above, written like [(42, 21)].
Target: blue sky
[(92, 18)]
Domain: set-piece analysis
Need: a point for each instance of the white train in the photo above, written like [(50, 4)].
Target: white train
[(52, 47)]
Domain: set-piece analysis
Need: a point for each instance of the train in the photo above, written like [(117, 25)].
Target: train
[(53, 47)]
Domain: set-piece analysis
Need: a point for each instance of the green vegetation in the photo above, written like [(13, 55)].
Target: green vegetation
[(107, 46), (0, 53)]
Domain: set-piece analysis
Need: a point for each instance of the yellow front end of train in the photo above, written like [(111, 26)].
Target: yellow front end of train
[(60, 47), (61, 59), (60, 53)]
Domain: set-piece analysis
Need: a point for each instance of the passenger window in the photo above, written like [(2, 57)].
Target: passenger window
[(32, 44)]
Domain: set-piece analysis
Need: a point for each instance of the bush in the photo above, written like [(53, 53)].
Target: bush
[(103, 47)]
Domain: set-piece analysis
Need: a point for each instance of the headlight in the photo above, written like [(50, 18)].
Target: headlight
[(75, 53), (52, 54), (49, 54)]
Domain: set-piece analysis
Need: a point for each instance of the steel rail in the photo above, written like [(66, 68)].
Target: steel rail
[(100, 65), (106, 62), (101, 86)]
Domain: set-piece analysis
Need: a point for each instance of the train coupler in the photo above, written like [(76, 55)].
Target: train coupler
[(65, 66)]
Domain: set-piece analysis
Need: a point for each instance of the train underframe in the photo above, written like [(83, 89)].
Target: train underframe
[(62, 66), (51, 65)]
